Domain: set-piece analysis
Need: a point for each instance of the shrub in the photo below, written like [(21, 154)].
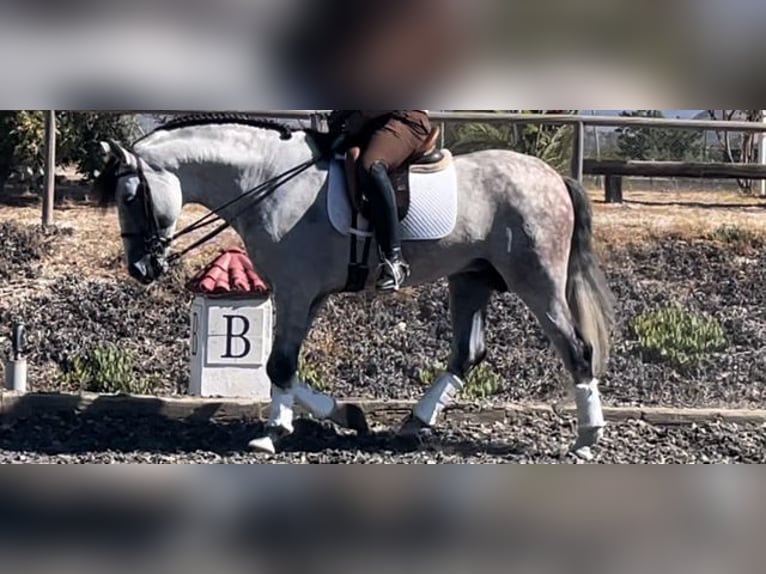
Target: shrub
[(311, 374), (677, 336), (736, 236), (106, 369), (482, 383)]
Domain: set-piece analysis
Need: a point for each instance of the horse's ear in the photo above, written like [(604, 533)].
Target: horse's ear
[(106, 149), (114, 150)]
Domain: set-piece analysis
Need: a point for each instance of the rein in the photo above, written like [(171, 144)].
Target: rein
[(156, 244)]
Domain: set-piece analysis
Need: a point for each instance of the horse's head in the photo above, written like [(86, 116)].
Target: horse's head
[(149, 203)]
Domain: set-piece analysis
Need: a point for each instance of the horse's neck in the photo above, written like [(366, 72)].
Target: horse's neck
[(220, 176), (215, 169)]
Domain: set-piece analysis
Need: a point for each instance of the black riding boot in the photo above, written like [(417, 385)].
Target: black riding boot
[(394, 270)]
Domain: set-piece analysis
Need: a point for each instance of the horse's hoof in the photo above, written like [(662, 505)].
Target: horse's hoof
[(588, 438), (584, 453), (413, 427), (267, 444), (351, 417), (263, 444)]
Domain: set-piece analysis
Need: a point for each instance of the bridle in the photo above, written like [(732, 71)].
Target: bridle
[(156, 245)]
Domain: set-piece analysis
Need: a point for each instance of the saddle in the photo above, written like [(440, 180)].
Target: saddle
[(428, 159)]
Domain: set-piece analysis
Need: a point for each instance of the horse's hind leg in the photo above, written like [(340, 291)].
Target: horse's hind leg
[(546, 298), (469, 296), (293, 322)]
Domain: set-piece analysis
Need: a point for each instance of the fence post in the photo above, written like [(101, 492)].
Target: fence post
[(49, 195), (443, 137), (578, 152), (762, 152), (613, 188)]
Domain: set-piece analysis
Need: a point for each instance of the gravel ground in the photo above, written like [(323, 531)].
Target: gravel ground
[(404, 335), (75, 314), (539, 439)]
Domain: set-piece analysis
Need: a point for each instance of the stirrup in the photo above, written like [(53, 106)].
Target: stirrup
[(392, 276)]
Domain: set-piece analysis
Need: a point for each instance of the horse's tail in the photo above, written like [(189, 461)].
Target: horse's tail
[(588, 294)]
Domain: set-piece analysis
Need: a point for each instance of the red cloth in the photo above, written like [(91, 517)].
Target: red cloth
[(232, 274)]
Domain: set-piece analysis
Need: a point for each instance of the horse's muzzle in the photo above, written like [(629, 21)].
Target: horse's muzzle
[(147, 269)]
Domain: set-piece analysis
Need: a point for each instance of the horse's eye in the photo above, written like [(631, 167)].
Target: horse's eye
[(129, 195)]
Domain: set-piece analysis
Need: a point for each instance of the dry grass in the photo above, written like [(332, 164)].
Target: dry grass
[(646, 216)]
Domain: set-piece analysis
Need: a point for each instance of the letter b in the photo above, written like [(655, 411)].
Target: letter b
[(233, 321)]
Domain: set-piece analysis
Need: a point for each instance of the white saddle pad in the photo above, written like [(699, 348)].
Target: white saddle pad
[(433, 204)]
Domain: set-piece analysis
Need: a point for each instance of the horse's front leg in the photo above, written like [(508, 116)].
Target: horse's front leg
[(293, 321)]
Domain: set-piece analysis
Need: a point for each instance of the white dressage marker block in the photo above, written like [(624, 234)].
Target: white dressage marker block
[(230, 346), (231, 330)]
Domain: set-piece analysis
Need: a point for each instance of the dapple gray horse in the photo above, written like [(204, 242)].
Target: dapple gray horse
[(521, 227)]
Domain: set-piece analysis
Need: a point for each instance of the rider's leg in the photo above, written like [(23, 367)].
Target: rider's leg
[(389, 148), (385, 221)]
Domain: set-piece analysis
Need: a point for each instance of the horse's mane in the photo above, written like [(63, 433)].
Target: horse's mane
[(322, 140), (223, 118)]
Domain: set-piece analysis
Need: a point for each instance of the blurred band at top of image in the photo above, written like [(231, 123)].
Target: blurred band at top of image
[(446, 54)]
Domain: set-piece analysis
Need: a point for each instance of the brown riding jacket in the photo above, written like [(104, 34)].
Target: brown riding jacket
[(358, 120), (390, 136)]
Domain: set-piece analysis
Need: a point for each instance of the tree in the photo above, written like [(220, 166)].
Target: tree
[(22, 137), (552, 144), (739, 148), (82, 134), (650, 143), (22, 142)]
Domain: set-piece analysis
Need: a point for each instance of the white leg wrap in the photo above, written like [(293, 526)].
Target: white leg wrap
[(589, 413), (318, 404), (438, 397), (281, 409)]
